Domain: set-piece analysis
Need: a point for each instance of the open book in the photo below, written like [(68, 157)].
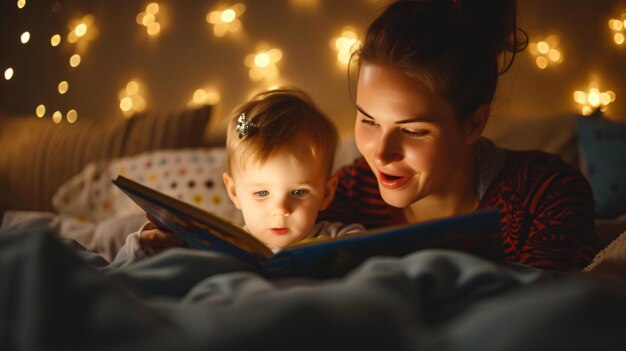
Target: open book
[(478, 233)]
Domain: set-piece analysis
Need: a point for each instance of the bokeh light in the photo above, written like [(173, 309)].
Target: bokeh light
[(345, 44), (546, 52), (132, 99), (226, 19), (263, 62), (593, 98)]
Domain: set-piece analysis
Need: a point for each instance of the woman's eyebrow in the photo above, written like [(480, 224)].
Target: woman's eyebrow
[(404, 121)]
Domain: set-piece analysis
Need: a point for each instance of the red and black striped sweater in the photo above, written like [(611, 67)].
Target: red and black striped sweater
[(546, 206)]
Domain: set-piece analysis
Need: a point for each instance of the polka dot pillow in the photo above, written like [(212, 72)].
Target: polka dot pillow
[(191, 175)]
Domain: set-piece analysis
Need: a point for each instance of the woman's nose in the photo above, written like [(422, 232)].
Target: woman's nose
[(388, 150)]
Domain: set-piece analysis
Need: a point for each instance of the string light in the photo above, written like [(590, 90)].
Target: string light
[(225, 19), (345, 44), (40, 111), (263, 62), (8, 73), (63, 87), (55, 40), (208, 96), (75, 60), (57, 117), (82, 31), (149, 19), (131, 99), (546, 52), (71, 116), (25, 37), (593, 99), (21, 4), (618, 27)]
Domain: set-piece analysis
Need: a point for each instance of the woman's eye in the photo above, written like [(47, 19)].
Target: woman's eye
[(415, 133), (369, 122), (261, 194), (299, 193)]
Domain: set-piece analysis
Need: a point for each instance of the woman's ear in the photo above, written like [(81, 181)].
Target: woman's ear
[(475, 125), (329, 191), (229, 183)]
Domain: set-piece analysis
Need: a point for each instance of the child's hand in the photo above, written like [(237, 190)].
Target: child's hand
[(154, 240)]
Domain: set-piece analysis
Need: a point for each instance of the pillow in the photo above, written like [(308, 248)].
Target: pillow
[(191, 175), (603, 160), (38, 156)]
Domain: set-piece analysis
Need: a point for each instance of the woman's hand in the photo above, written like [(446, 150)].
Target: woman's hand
[(154, 240)]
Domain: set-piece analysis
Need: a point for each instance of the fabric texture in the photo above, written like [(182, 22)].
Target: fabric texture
[(69, 299), (537, 230), (603, 150), (191, 175), (37, 156)]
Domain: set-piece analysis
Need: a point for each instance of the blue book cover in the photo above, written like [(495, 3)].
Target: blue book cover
[(478, 232)]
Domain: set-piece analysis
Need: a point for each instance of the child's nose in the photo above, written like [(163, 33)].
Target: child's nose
[(280, 209)]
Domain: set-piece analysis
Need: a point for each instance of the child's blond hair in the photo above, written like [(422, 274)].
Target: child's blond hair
[(281, 120)]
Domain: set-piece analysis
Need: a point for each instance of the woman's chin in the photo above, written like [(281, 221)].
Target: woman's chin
[(395, 199)]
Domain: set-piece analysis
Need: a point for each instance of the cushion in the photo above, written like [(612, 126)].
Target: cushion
[(38, 156), (191, 175), (603, 161)]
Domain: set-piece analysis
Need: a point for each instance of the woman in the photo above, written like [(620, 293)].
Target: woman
[(428, 71)]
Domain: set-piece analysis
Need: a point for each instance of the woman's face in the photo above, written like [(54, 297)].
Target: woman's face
[(410, 137)]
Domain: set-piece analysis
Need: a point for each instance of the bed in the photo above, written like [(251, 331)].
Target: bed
[(63, 222)]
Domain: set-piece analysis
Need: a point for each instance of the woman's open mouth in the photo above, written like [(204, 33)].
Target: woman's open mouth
[(390, 181)]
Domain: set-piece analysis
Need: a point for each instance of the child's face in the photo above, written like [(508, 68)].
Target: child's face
[(280, 199)]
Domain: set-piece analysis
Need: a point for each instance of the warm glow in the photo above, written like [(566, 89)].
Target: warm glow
[(226, 19), (209, 96), (55, 40), (40, 111), (71, 116), (154, 29), (132, 87), (305, 3), (75, 60), (21, 4), (593, 98), (228, 15), (618, 27), (262, 64), (149, 19), (345, 44), (80, 30), (8, 73), (63, 87), (57, 117), (25, 37), (131, 98), (152, 8), (546, 52)]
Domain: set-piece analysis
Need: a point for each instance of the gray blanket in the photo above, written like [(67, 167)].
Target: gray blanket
[(56, 295)]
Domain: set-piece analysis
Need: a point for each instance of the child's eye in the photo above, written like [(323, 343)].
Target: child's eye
[(299, 193), (369, 122), (415, 133), (261, 194)]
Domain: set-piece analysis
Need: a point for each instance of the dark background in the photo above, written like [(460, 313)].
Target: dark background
[(187, 56)]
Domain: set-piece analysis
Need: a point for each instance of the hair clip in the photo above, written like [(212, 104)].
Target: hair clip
[(244, 128)]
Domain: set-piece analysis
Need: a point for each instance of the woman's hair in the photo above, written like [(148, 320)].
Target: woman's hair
[(458, 48), (281, 120)]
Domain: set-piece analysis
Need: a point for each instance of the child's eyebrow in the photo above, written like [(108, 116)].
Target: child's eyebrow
[(404, 121)]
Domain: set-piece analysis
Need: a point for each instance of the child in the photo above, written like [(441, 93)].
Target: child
[(280, 158)]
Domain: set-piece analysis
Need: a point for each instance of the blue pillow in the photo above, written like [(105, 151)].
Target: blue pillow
[(603, 157)]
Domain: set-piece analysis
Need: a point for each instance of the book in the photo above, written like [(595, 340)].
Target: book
[(478, 233)]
